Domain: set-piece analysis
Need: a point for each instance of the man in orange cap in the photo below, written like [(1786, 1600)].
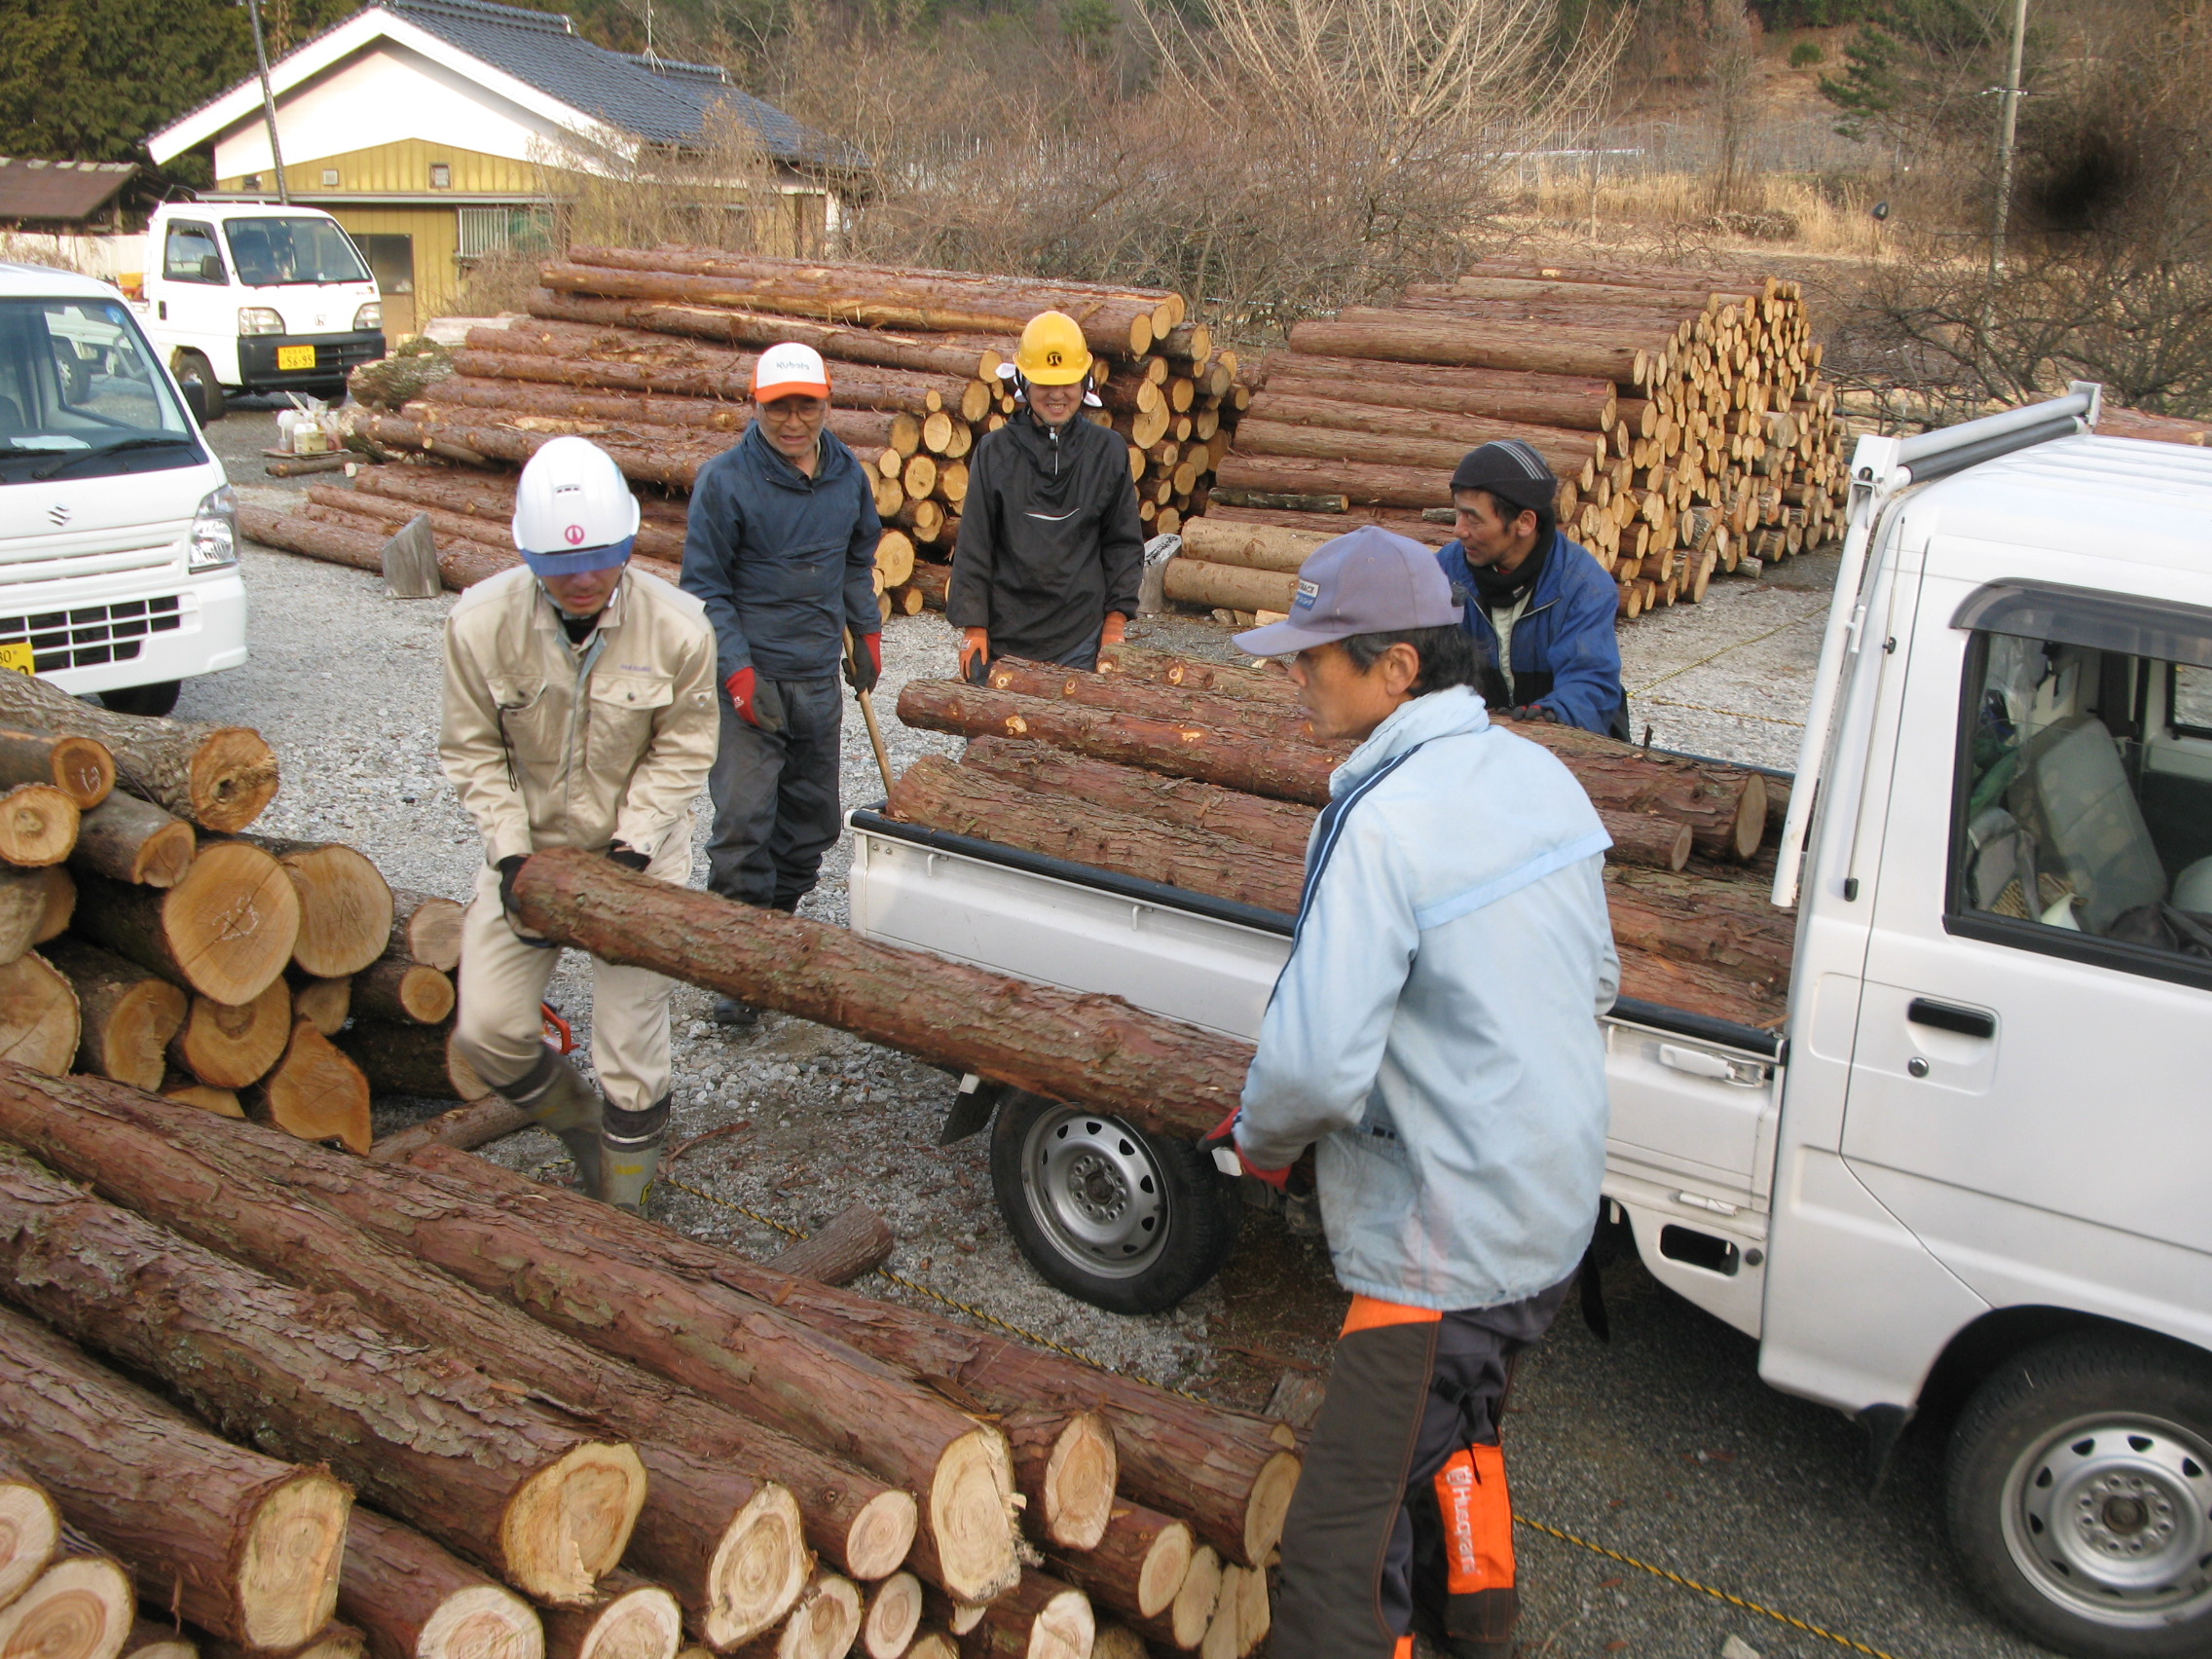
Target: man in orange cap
[(781, 549)]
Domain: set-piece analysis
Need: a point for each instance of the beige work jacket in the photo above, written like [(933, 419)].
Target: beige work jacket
[(554, 745)]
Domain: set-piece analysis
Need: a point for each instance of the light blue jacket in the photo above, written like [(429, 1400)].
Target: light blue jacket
[(1435, 1029)]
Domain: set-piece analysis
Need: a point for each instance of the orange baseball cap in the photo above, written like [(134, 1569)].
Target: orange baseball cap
[(789, 370)]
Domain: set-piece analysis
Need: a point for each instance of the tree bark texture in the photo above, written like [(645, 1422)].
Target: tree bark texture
[(81, 767), (459, 565), (1574, 410), (413, 1600), (128, 1015), (239, 1543), (1166, 1076), (412, 1059), (942, 795), (1364, 484), (881, 348), (719, 1524), (1226, 1473), (521, 1492), (1415, 337), (1039, 1618), (1137, 1565), (226, 930), (219, 777), (127, 839), (1327, 430), (465, 1128), (1277, 826), (853, 1242)]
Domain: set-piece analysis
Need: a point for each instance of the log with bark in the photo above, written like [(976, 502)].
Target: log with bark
[(1041, 1618), (128, 1014), (225, 931), (1416, 337), (727, 1540), (1096, 1050), (1232, 587), (39, 1022), (426, 928), (345, 904), (1320, 429), (314, 1091), (893, 1617), (23, 901), (38, 824), (526, 1493), (336, 1639), (61, 908), (127, 839), (30, 1528), (1364, 484), (149, 1640), (80, 1607), (633, 1621), (81, 767), (1501, 395), (952, 355), (1277, 827), (853, 1241), (1066, 1465), (1258, 547), (412, 1059), (940, 795), (189, 1091), (399, 990), (459, 564), (231, 1045), (823, 1626), (413, 1600), (1138, 1564), (239, 1543), (1227, 1474), (479, 1123), (1259, 680), (218, 777)]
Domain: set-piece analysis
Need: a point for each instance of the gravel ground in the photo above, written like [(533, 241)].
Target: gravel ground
[(1662, 1445)]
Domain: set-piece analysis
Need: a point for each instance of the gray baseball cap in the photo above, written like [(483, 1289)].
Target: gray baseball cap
[(1368, 581)]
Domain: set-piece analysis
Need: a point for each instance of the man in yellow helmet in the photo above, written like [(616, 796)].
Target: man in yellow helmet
[(1050, 547)]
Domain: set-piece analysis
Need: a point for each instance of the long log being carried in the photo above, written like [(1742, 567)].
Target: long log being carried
[(714, 1528), (547, 1507)]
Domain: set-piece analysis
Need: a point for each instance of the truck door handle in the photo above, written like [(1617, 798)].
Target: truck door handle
[(1945, 1016)]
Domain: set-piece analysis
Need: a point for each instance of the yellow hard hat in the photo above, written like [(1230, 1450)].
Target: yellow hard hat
[(1052, 351)]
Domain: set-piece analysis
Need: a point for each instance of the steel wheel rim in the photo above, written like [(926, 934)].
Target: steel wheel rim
[(2111, 1517), (1093, 1185)]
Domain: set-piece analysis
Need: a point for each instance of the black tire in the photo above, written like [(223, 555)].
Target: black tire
[(194, 365), (157, 699), (2079, 1496), (75, 372), (1126, 1221)]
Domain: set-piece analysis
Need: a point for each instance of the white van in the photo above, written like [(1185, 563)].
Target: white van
[(118, 530), (249, 296)]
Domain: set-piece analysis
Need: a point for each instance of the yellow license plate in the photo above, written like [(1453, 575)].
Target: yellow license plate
[(18, 656), (295, 356)]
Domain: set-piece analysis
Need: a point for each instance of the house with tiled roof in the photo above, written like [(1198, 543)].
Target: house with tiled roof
[(441, 132)]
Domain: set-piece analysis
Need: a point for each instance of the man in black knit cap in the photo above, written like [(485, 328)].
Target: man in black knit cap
[(1540, 607)]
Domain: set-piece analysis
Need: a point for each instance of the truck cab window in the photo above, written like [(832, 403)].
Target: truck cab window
[(2084, 818), (191, 254)]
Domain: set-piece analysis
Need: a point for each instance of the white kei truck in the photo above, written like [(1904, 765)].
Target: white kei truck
[(119, 568), (254, 297), (1974, 1162)]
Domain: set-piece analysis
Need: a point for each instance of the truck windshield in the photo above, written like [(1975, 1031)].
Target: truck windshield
[(78, 389), (269, 252)]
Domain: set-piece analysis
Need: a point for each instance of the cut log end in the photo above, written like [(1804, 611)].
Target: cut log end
[(346, 910), (970, 1500), (29, 1529), (79, 1608), (230, 1046), (316, 1092), (1118, 1641), (570, 1523), (323, 1003), (484, 1621), (1270, 1502), (1165, 1565), (83, 770), (882, 1534), (233, 777), (758, 1568), (826, 1623), (38, 824), (189, 1091), (287, 1586), (1750, 817), (1191, 1615), (231, 922), (426, 928), (38, 1016), (1079, 1483), (151, 1641), (894, 1615), (642, 1622)]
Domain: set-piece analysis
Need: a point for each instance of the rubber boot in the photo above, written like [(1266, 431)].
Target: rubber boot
[(629, 1153), (558, 1099)]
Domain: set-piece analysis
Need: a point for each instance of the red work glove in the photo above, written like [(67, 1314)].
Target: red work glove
[(740, 686), (1116, 631), (864, 668), (975, 652), (1223, 1139), (757, 704)]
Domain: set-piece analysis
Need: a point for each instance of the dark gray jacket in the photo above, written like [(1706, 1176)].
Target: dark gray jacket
[(1049, 539), (782, 563)]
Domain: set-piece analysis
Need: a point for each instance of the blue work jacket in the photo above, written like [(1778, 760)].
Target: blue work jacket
[(1564, 652)]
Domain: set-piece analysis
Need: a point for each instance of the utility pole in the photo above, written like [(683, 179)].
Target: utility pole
[(2007, 125), (269, 100)]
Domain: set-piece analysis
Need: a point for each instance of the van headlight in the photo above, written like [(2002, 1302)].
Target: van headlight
[(370, 315), (259, 320), (214, 540)]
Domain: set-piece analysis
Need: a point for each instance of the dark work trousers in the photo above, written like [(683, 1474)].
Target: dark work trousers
[(1402, 1521), (775, 798), (1084, 657)]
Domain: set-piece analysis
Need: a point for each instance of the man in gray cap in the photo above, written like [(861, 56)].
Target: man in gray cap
[(1539, 607), (1434, 1036)]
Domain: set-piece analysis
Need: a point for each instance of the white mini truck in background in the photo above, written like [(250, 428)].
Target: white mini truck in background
[(117, 530), (1972, 1171)]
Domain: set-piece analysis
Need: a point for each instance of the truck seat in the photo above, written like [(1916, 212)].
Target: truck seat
[(2074, 797), (10, 417)]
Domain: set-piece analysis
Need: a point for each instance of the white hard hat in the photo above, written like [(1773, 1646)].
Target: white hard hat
[(574, 511), (788, 369), (2193, 889)]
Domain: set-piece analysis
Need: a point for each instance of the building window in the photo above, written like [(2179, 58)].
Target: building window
[(441, 176), (330, 178), (252, 181), (504, 230)]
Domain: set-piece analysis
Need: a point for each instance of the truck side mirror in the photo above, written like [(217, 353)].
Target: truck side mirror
[(195, 391), (211, 267)]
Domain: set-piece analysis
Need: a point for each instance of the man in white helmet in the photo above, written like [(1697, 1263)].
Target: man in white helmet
[(579, 711)]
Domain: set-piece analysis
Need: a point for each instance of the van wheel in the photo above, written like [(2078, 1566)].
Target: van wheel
[(1126, 1221), (194, 365), (75, 372), (2079, 1496), (157, 699)]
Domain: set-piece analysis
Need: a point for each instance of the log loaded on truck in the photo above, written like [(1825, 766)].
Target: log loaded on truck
[(1968, 1155)]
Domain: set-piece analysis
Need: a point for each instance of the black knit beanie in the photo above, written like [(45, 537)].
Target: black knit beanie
[(1514, 473)]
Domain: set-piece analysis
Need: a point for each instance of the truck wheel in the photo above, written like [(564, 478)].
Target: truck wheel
[(1126, 1221), (76, 373), (2079, 1496), (194, 365), (157, 699)]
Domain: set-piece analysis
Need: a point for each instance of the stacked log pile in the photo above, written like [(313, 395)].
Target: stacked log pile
[(492, 1419), (650, 353), (1684, 415), (1207, 777)]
